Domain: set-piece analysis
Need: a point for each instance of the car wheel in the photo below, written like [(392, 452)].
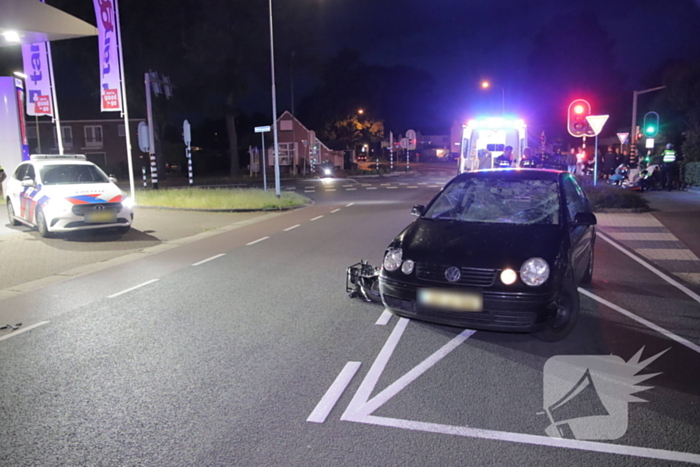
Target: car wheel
[(564, 320), (41, 226), (588, 275), (11, 214)]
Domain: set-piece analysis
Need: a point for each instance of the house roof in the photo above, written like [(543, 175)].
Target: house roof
[(288, 113)]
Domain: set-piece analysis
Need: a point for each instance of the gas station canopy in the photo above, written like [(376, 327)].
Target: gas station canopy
[(30, 21)]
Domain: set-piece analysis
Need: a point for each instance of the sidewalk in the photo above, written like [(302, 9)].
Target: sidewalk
[(668, 236), (30, 262)]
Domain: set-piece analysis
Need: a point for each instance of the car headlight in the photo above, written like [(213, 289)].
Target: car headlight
[(58, 205), (128, 202), (508, 276), (392, 259), (327, 171), (534, 272), (407, 267)]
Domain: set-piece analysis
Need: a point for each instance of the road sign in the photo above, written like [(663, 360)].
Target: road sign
[(650, 143), (144, 139), (404, 143), (622, 137), (262, 129), (187, 132), (411, 136), (596, 122)]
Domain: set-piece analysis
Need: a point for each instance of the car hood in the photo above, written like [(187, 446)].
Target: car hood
[(90, 193), (491, 246)]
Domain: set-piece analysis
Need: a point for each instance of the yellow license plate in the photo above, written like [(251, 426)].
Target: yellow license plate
[(100, 217), (451, 300)]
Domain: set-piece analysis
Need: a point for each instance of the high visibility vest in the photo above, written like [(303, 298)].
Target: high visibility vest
[(669, 156)]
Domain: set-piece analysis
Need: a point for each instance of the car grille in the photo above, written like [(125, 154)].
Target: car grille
[(81, 209), (473, 277)]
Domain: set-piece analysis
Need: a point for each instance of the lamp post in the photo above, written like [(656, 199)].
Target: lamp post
[(486, 85), (274, 106)]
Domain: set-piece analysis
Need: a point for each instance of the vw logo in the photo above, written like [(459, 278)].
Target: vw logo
[(453, 274), (99, 208)]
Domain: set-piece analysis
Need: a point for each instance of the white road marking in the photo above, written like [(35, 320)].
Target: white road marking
[(330, 189), (291, 228), (392, 187), (643, 321), (310, 191), (384, 184), (523, 438), (371, 187), (133, 288), (363, 393), (351, 189), (348, 205), (433, 186), (330, 398), (335, 210), (671, 281), (411, 187), (257, 241), (309, 187), (668, 254), (316, 218), (384, 318), (645, 236), (347, 186), (423, 183), (209, 259), (21, 330)]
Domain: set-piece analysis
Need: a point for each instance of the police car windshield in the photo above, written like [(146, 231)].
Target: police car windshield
[(71, 174)]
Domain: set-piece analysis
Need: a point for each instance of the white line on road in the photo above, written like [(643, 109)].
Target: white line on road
[(351, 189), (348, 205), (384, 318), (335, 210), (643, 321), (674, 283), (330, 398), (291, 228), (316, 218), (392, 188), (411, 187), (133, 288), (20, 331), (257, 241), (371, 187), (209, 259)]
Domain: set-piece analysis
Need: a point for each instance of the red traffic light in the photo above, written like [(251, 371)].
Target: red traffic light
[(576, 118)]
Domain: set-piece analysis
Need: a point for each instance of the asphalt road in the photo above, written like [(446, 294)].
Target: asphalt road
[(217, 352)]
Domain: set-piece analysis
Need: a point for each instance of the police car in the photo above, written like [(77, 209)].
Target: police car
[(65, 193)]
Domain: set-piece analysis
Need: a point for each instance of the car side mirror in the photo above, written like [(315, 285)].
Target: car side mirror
[(28, 182), (418, 210), (112, 178), (584, 218)]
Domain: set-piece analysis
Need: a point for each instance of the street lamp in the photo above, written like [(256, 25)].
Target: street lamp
[(486, 85), (361, 111), (274, 106)]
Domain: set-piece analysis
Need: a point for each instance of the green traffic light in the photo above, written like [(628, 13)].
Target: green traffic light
[(650, 129)]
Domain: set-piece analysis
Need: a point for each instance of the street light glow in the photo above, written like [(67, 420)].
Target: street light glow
[(360, 111), (485, 84)]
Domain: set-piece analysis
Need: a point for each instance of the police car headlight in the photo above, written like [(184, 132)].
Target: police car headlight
[(327, 171), (393, 258), (534, 272), (128, 202), (58, 206)]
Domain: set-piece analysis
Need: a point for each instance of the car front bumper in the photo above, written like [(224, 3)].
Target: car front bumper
[(502, 311), (67, 221)]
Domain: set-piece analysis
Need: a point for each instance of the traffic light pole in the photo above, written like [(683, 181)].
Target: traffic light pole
[(633, 130)]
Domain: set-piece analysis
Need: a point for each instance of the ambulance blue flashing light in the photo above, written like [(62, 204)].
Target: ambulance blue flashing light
[(496, 122)]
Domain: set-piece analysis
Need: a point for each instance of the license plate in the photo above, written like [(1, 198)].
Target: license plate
[(101, 217), (451, 300)]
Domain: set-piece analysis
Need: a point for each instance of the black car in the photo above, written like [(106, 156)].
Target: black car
[(501, 250)]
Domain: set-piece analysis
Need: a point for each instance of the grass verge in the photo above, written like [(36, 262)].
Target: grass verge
[(218, 198), (604, 197)]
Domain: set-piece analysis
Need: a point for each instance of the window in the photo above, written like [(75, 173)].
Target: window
[(21, 171), (286, 154), (575, 200), (69, 174), (67, 133), (30, 172), (285, 125), (93, 136)]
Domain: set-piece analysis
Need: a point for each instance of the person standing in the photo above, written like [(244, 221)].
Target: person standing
[(632, 161), (669, 167), (609, 163), (571, 161)]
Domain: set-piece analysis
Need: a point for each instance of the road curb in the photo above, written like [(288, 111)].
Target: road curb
[(282, 209)]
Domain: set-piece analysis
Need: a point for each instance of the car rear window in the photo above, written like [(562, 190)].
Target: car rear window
[(71, 174), (494, 200)]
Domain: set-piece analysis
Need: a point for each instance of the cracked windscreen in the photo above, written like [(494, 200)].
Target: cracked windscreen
[(502, 201)]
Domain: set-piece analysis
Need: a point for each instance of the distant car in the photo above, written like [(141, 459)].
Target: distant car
[(326, 170), (361, 158), (66, 193), (500, 250)]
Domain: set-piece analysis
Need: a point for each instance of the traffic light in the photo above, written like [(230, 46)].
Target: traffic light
[(577, 124), (651, 124)]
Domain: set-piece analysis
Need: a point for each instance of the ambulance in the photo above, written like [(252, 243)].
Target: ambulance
[(484, 140)]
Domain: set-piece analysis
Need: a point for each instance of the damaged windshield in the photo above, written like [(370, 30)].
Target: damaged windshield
[(495, 200)]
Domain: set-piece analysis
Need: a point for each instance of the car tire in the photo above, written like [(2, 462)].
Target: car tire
[(41, 225), (568, 306), (588, 274), (11, 214)]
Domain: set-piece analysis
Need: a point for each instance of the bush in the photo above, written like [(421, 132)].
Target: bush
[(604, 197), (691, 173)]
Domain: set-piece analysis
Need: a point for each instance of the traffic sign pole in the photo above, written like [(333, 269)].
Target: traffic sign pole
[(263, 158)]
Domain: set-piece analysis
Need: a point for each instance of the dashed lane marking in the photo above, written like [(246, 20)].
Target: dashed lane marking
[(209, 259), (292, 227), (257, 241), (23, 330), (133, 288), (316, 218), (335, 210)]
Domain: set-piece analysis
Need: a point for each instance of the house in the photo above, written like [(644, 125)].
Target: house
[(102, 141), (298, 146)]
